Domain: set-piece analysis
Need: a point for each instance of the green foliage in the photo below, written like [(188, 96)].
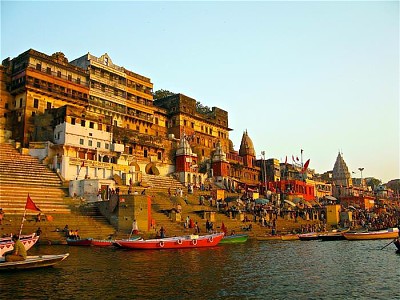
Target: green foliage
[(373, 182), (202, 108), (162, 94)]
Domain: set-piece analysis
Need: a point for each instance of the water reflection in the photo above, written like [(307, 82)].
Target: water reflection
[(255, 270)]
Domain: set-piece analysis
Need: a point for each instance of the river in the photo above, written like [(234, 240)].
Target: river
[(254, 270)]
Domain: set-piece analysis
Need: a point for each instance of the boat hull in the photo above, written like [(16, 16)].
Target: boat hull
[(391, 233), (32, 262), (269, 238), (81, 242), (332, 236), (173, 243), (397, 244), (6, 244), (233, 239), (309, 236), (289, 237)]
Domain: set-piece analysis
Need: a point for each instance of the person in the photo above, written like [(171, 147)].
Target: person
[(19, 251), (1, 216), (38, 231), (39, 215), (135, 228), (162, 232), (144, 192)]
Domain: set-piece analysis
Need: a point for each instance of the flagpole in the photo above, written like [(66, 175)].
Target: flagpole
[(22, 222)]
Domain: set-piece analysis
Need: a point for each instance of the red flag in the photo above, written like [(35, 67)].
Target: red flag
[(306, 165), (297, 158), (31, 205)]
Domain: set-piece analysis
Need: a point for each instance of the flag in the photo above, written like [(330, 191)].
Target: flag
[(306, 165), (297, 158), (30, 204), (286, 160), (293, 159)]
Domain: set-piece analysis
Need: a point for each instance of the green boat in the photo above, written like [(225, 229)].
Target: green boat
[(234, 238)]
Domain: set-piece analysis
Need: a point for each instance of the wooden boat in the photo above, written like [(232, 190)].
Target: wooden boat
[(390, 233), (269, 237), (234, 238), (79, 242), (289, 237), (32, 262), (334, 235), (179, 242), (312, 236), (108, 243), (6, 244)]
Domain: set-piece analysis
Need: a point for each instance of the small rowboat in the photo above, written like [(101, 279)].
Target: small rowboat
[(334, 235), (309, 236), (276, 237), (234, 238), (32, 262), (79, 242), (390, 233), (6, 244), (179, 242), (289, 237)]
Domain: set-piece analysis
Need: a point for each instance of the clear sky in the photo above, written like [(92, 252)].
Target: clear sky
[(317, 76)]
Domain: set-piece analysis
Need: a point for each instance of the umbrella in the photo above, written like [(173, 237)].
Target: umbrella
[(262, 201), (330, 198), (290, 202)]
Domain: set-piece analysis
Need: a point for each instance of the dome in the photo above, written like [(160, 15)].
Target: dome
[(246, 146), (184, 147)]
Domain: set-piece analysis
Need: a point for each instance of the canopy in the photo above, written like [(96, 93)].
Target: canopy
[(330, 198), (290, 202), (262, 201)]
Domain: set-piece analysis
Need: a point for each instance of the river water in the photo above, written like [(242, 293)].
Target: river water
[(254, 270)]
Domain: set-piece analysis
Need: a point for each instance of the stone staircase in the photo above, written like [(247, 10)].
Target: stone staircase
[(20, 175), (161, 183)]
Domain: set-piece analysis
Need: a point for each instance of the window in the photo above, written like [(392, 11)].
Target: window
[(20, 102), (156, 121), (159, 155), (99, 127), (69, 77), (107, 145), (145, 153), (90, 134), (35, 103), (98, 144), (38, 67), (83, 123), (192, 125), (48, 105), (81, 141), (78, 80), (48, 70), (106, 61), (33, 114), (91, 125), (115, 123), (58, 73), (90, 143), (73, 120)]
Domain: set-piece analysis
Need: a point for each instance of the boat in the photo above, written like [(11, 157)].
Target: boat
[(79, 242), (179, 242), (108, 243), (311, 236), (234, 238), (32, 262), (269, 237), (334, 235), (7, 244), (289, 237), (390, 233)]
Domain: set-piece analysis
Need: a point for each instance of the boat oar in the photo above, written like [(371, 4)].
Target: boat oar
[(387, 244)]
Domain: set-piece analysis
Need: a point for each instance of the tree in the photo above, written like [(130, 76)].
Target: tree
[(202, 108), (162, 94), (373, 182)]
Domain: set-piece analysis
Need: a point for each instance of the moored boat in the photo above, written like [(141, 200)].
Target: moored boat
[(32, 262), (108, 242), (332, 236), (179, 242), (389, 233), (79, 242), (7, 244), (289, 237), (309, 236), (269, 237), (234, 238)]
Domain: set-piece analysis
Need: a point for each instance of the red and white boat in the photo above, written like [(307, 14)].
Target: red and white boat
[(179, 242), (28, 240)]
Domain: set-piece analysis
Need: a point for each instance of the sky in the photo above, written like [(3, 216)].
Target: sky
[(322, 77)]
